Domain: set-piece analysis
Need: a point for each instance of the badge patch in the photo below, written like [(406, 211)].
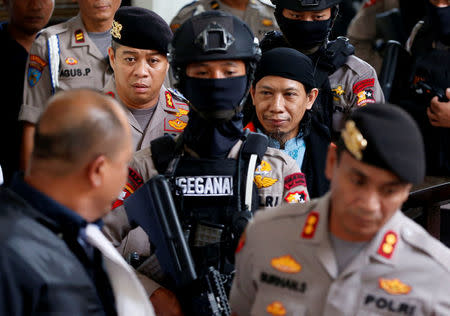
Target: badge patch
[(34, 75), (71, 61), (286, 264), (262, 173), (134, 182), (363, 84), (296, 197), (79, 36), (205, 185), (169, 100), (294, 180), (116, 29), (353, 139), (177, 124), (38, 60), (394, 287), (214, 5), (337, 92), (267, 22), (276, 309), (182, 112), (241, 243), (310, 225), (388, 244), (365, 96)]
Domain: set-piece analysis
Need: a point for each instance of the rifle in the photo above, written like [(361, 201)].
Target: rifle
[(152, 207)]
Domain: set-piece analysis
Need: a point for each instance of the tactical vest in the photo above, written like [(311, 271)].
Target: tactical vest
[(209, 197)]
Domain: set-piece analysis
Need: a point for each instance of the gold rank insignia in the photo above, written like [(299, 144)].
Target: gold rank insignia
[(353, 139), (310, 225), (169, 100), (286, 264), (267, 22), (388, 244), (182, 112), (262, 178), (79, 36), (276, 308), (177, 124), (116, 29), (394, 287)]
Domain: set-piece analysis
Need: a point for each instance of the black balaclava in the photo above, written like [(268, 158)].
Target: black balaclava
[(212, 136), (303, 34), (440, 22)]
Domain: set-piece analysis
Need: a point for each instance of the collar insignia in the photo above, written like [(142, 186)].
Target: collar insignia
[(79, 36), (353, 139), (276, 309), (394, 287), (286, 264), (388, 244), (310, 225), (115, 30)]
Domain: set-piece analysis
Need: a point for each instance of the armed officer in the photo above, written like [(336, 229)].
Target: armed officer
[(345, 82), (427, 90), (351, 252), (214, 56)]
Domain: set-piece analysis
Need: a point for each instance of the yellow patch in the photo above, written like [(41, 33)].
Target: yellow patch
[(267, 22), (177, 124), (394, 287), (286, 264), (71, 61), (262, 173), (276, 309), (388, 244), (182, 112), (310, 225)]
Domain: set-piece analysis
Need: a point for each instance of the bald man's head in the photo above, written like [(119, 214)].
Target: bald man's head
[(77, 127)]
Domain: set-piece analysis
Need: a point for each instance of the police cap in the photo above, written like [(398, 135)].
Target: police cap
[(385, 136), (213, 35), (141, 28), (305, 5)]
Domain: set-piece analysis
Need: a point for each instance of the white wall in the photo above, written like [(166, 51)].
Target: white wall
[(165, 8)]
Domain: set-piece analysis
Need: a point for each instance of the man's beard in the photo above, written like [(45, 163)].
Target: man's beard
[(279, 136)]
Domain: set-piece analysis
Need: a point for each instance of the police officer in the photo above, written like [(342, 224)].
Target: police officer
[(351, 252), (426, 92), (69, 55), (138, 57), (345, 82), (257, 14), (214, 56)]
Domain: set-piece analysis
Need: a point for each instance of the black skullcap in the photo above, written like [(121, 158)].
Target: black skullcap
[(287, 63), (385, 136), (141, 28)]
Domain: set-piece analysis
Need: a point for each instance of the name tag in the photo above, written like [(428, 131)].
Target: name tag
[(206, 185)]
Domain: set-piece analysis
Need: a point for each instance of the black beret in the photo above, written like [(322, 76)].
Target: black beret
[(385, 136), (287, 63), (141, 28)]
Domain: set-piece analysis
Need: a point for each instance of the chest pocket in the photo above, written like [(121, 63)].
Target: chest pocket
[(77, 75), (267, 303)]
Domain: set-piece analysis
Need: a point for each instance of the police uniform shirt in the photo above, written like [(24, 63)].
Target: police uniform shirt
[(258, 15), (278, 178), (285, 265), (170, 117), (79, 64), (353, 85)]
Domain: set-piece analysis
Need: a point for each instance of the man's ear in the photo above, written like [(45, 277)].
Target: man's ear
[(332, 160), (312, 96), (96, 171), (252, 94), (112, 58)]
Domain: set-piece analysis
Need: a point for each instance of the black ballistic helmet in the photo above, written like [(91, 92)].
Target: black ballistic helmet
[(305, 5), (213, 35)]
